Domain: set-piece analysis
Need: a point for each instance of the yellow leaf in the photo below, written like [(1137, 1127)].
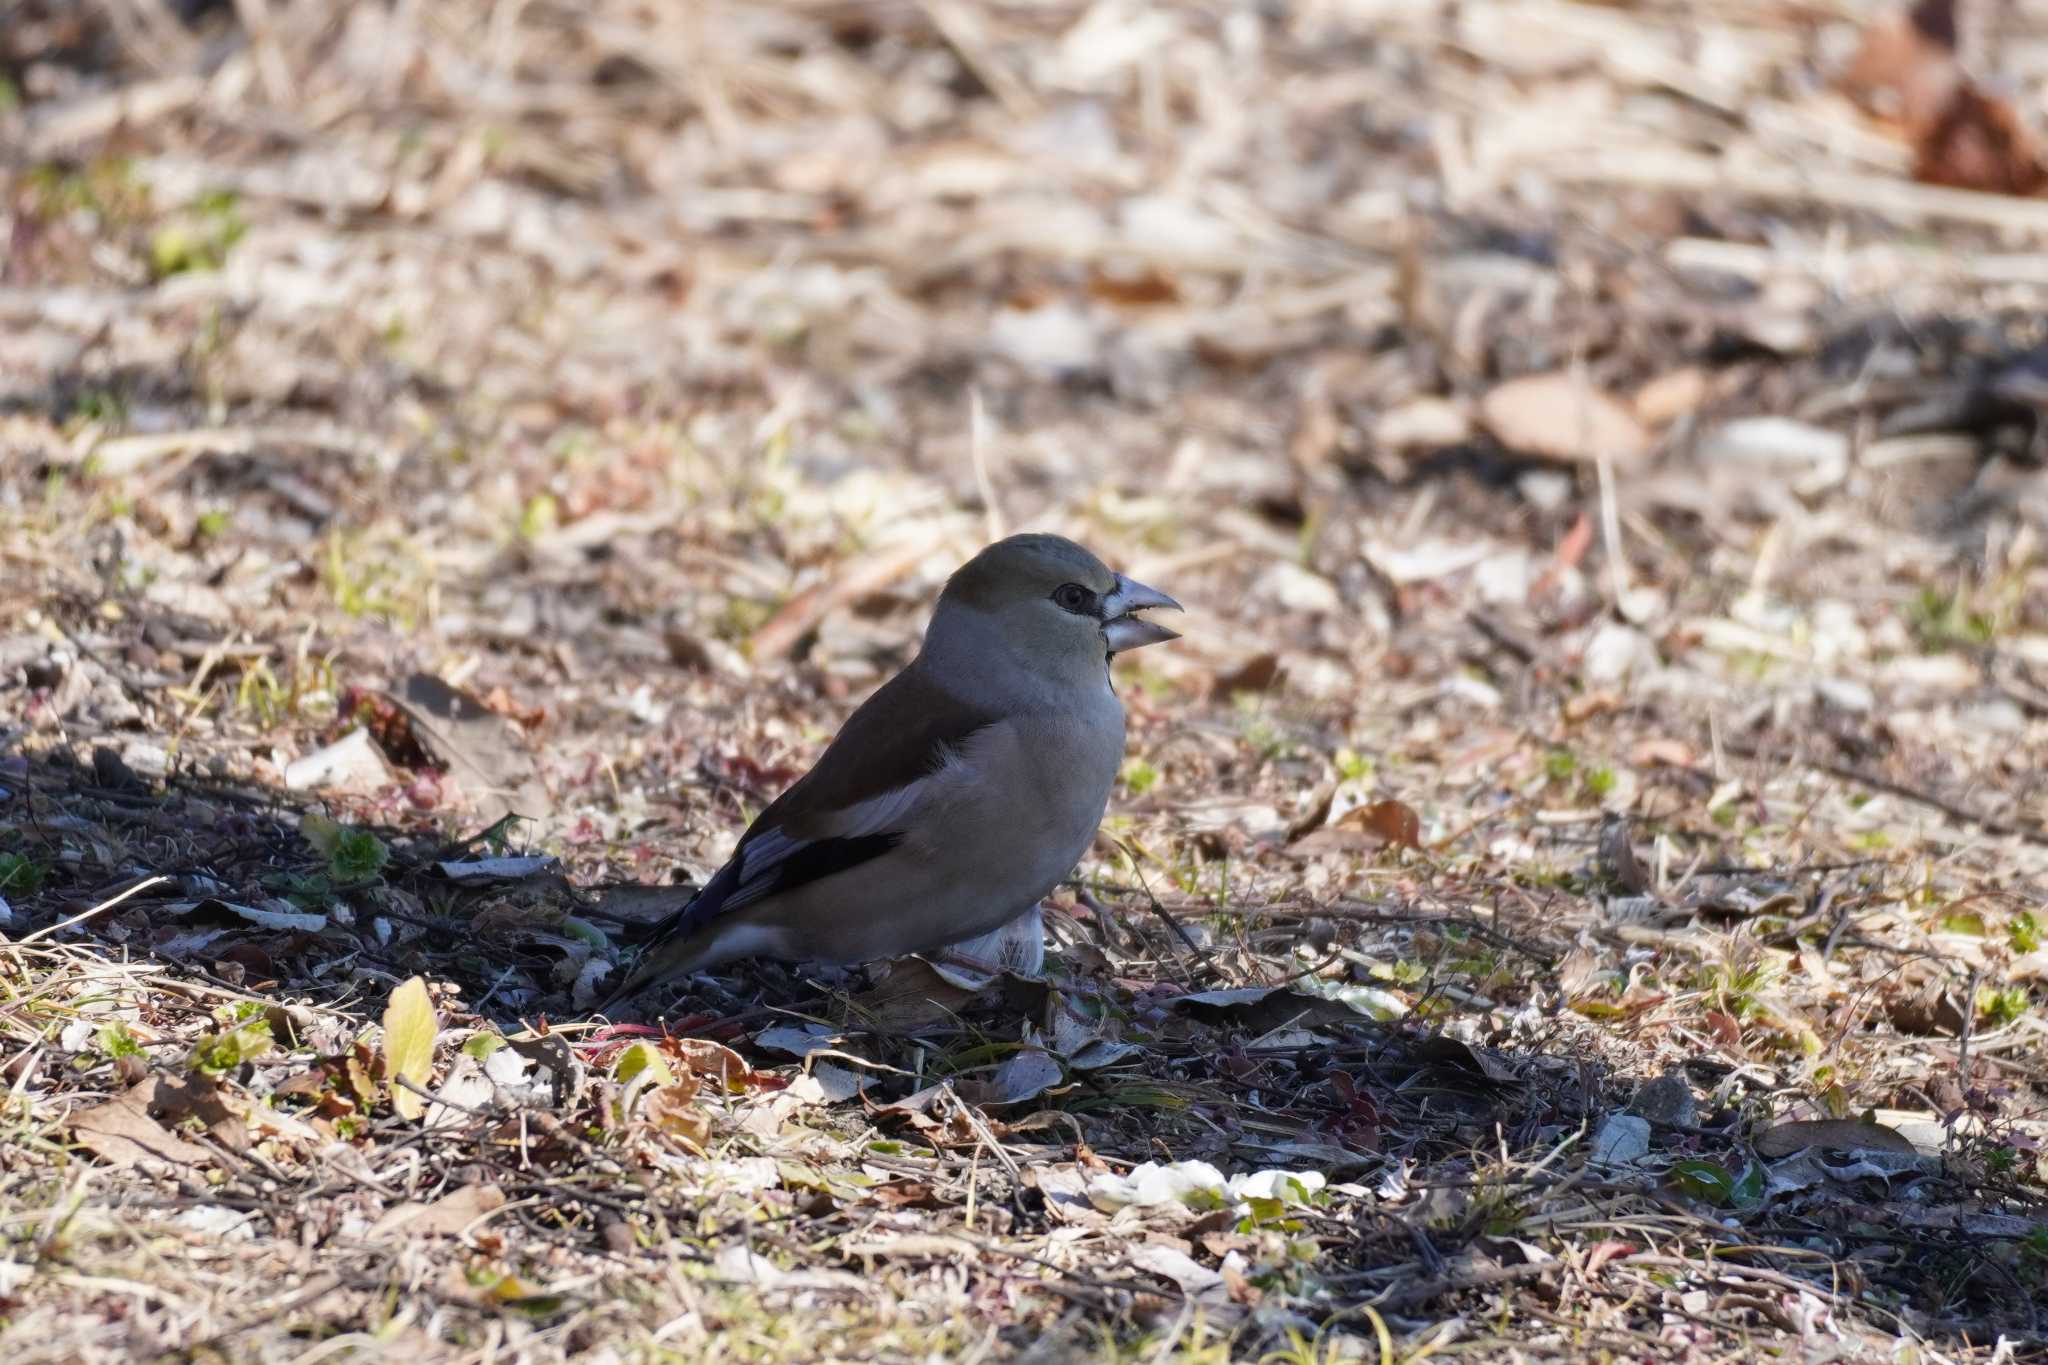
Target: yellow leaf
[(409, 1029), (643, 1062)]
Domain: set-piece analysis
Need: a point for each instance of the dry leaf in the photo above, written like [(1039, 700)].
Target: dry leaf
[(1978, 142), (913, 995), (482, 748), (1906, 68), (1670, 395), (1024, 1075), (451, 1215), (121, 1133), (1145, 289), (714, 1061), (409, 1031), (1724, 1027), (1663, 752), (1848, 1135), (675, 1111), (1393, 821), (801, 614), (1560, 416), (1427, 423)]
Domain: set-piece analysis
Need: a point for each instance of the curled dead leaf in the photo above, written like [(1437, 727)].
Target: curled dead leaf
[(1393, 821), (675, 1111)]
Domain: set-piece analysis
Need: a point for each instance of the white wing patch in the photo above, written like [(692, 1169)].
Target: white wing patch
[(888, 813)]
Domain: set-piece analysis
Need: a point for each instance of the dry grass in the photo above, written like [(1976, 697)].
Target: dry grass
[(641, 369)]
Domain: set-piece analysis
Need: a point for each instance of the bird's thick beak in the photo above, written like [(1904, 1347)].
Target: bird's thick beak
[(1125, 631)]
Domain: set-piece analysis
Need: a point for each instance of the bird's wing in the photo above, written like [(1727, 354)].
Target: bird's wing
[(851, 807)]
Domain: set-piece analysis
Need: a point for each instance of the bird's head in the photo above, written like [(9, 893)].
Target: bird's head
[(1052, 603)]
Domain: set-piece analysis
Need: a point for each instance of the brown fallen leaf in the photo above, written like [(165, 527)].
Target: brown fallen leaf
[(1907, 71), (713, 1061), (1664, 753), (907, 1194), (1560, 416), (1978, 142), (1724, 1027), (1256, 674), (122, 1133), (1145, 289), (177, 1100), (674, 1110), (1395, 822), (480, 747), (1670, 395), (451, 1215), (912, 996), (1848, 1135), (1906, 67)]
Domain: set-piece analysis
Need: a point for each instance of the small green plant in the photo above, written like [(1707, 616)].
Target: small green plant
[(212, 523), (1257, 729), (1713, 1183), (739, 617), (2002, 1005), (21, 874), (1352, 766), (218, 1053), (106, 187), (117, 1042), (2025, 932), (97, 407), (1944, 621), (1735, 987), (307, 690), (1140, 776), (1600, 782), (540, 515), (353, 855), (358, 855), (2035, 1245), (1559, 765), (199, 238)]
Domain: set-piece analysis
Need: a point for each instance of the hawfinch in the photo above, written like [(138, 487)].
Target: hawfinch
[(955, 797)]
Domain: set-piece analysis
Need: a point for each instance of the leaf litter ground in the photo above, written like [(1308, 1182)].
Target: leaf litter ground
[(1577, 890)]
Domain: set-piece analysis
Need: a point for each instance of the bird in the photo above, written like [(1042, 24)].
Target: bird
[(953, 799)]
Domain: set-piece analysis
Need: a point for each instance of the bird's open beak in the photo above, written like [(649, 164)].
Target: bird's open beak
[(1125, 631)]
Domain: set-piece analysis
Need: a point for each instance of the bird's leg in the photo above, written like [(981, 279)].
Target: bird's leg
[(1016, 946)]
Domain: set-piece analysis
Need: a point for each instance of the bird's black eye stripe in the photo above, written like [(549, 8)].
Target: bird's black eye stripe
[(1075, 598)]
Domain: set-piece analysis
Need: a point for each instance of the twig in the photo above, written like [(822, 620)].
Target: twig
[(85, 915), (1180, 932), (1990, 824)]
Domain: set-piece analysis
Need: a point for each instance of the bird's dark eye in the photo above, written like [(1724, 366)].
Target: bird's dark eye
[(1075, 598)]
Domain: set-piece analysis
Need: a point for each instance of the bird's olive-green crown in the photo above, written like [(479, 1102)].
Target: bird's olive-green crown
[(1026, 566)]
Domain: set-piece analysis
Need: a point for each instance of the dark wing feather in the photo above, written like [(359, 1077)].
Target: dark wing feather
[(899, 735)]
